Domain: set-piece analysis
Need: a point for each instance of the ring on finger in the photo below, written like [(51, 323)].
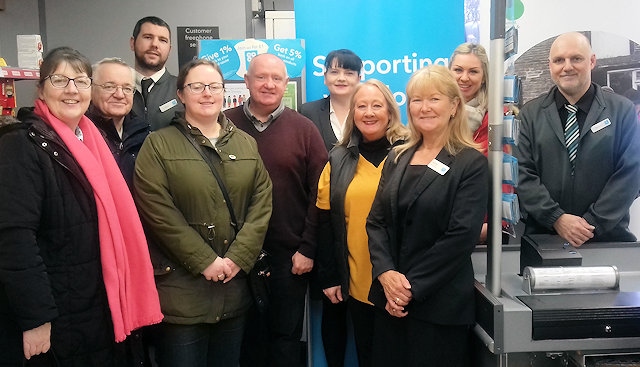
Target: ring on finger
[(220, 276), (397, 300)]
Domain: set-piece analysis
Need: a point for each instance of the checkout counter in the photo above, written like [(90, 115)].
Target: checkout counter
[(543, 303), (560, 306)]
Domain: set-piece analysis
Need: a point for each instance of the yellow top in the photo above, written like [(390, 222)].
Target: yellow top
[(357, 204)]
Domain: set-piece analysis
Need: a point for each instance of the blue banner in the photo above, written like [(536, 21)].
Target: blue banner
[(394, 38), (234, 56)]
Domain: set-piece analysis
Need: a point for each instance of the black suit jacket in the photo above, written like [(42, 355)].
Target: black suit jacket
[(319, 112), (432, 247), (163, 94)]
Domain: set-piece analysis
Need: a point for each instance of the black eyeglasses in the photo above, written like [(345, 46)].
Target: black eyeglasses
[(196, 88), (111, 88), (60, 81)]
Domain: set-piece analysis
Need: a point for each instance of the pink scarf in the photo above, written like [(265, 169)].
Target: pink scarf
[(126, 266)]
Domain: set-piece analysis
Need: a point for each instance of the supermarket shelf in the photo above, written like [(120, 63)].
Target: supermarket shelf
[(19, 73)]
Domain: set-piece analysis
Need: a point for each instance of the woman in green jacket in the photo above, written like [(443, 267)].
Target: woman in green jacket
[(201, 261)]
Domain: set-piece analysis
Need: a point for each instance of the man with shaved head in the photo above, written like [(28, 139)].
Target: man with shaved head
[(294, 153), (579, 153)]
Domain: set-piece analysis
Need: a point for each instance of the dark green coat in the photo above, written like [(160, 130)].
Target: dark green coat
[(188, 223)]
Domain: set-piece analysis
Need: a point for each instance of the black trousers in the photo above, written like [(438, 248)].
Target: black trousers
[(334, 330), (272, 339), (414, 343), (363, 318)]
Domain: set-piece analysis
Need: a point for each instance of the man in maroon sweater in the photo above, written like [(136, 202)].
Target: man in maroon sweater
[(294, 153)]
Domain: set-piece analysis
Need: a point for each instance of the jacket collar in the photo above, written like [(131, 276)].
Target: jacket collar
[(551, 116), (27, 116), (425, 181), (354, 142), (226, 126), (130, 126), (326, 104)]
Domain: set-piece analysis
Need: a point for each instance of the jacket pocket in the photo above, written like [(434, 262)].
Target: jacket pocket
[(161, 263)]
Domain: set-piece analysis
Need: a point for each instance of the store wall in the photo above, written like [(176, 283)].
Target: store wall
[(543, 19), (19, 17), (102, 29)]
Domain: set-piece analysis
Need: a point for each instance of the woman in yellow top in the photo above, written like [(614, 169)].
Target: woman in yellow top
[(346, 191)]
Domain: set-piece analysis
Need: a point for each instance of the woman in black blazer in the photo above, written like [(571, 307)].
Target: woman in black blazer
[(422, 228), (341, 76)]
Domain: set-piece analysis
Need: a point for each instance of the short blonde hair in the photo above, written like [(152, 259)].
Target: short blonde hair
[(437, 77), (395, 130)]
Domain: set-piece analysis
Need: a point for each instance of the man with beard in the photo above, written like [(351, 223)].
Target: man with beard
[(156, 87)]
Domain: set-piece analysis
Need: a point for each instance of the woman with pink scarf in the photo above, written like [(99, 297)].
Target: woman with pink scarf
[(75, 274)]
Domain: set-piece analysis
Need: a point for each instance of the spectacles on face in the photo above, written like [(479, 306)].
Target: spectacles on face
[(197, 88), (110, 88), (60, 81)]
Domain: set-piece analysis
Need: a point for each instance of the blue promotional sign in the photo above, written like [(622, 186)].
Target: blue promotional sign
[(394, 38), (234, 56)]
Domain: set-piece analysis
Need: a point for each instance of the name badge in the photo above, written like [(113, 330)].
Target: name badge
[(172, 103), (600, 125), (438, 166)]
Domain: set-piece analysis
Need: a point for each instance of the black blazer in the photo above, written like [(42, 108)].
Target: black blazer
[(319, 112), (433, 246)]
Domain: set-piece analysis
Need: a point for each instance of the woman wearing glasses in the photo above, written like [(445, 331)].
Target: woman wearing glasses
[(75, 274), (202, 258), (110, 109)]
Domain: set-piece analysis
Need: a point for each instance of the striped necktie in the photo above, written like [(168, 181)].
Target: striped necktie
[(571, 133)]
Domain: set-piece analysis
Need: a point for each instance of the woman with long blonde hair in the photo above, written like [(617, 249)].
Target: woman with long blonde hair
[(422, 228), (346, 190)]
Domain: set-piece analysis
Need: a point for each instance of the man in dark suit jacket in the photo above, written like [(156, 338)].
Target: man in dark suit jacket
[(155, 100), (587, 197)]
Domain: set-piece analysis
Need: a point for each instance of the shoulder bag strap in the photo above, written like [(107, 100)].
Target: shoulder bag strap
[(234, 222)]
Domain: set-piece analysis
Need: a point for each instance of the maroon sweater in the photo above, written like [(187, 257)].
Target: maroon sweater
[(294, 153)]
